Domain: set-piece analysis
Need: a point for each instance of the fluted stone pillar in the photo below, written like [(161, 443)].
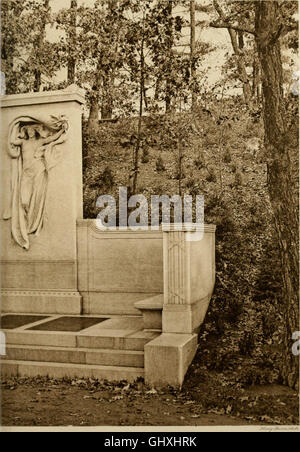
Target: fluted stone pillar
[(176, 307), (189, 277)]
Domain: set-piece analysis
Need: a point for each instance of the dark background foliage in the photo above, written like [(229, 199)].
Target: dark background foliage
[(222, 160)]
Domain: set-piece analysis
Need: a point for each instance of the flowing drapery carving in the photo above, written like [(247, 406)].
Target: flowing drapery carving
[(33, 146)]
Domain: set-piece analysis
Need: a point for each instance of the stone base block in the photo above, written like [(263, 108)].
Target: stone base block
[(185, 319), (168, 357), (177, 319), (36, 302), (151, 310)]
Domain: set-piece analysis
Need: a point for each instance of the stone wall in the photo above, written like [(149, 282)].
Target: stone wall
[(118, 268)]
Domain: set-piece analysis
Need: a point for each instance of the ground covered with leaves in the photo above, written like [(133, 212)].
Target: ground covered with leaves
[(205, 400)]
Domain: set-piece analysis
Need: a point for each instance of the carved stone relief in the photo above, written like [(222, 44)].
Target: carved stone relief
[(33, 147)]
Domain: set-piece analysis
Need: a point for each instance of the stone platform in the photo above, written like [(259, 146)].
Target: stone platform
[(103, 347)]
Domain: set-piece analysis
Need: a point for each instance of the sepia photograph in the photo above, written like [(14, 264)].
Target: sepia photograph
[(149, 218)]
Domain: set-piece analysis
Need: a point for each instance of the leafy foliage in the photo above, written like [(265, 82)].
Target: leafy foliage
[(244, 322), (25, 50)]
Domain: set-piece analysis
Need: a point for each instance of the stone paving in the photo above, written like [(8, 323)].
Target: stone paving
[(83, 326)]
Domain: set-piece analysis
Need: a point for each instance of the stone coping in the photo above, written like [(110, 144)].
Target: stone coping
[(188, 227), (47, 97), (176, 227)]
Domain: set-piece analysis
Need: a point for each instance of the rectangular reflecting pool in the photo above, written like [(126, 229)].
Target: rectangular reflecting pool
[(68, 324), (11, 321)]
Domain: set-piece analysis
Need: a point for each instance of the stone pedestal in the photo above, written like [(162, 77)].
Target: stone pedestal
[(189, 277), (43, 277), (167, 359)]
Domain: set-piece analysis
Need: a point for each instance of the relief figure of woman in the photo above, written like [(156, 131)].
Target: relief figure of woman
[(32, 151)]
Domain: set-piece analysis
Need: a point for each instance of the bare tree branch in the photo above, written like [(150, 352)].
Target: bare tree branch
[(233, 27), (224, 23)]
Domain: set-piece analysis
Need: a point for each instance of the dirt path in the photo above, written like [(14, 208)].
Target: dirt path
[(65, 406), (52, 403)]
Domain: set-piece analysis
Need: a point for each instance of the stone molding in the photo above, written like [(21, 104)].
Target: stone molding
[(45, 261), (46, 97), (189, 227), (29, 293), (91, 226)]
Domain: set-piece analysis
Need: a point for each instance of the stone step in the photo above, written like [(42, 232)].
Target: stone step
[(11, 368), (103, 357), (108, 340)]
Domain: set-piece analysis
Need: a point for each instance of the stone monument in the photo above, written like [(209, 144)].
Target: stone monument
[(41, 200), (151, 288)]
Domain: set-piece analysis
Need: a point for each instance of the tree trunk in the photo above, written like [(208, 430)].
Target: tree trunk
[(72, 40), (282, 183), (169, 89), (110, 74), (180, 165), (255, 80), (256, 77), (93, 121), (39, 46), (241, 40), (107, 101), (241, 65), (168, 98), (193, 52), (138, 141), (158, 85), (37, 80)]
